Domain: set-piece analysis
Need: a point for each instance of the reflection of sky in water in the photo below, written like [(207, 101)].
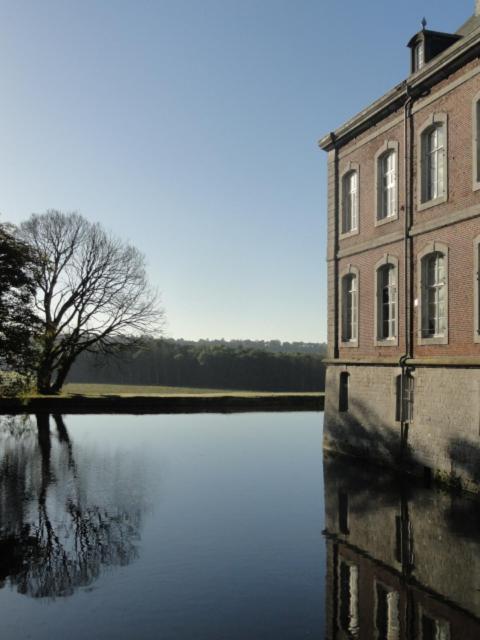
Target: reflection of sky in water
[(204, 526)]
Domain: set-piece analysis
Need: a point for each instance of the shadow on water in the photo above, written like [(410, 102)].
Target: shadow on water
[(56, 533), (403, 560)]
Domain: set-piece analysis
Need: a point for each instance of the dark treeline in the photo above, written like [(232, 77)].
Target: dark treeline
[(214, 364)]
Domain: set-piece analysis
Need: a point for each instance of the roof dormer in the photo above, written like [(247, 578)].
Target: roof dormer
[(427, 44)]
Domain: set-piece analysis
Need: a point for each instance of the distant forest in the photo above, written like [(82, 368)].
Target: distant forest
[(214, 364)]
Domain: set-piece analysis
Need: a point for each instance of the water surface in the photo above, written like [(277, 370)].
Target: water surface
[(171, 526), (223, 526)]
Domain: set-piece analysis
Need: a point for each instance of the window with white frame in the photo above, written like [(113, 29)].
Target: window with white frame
[(387, 618), (476, 291), (419, 56), (387, 185), (387, 302), (348, 609), (476, 151), (433, 628), (434, 295), (350, 202), (433, 161), (350, 308)]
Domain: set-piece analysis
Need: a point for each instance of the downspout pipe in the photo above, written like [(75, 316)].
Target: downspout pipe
[(336, 224), (407, 275)]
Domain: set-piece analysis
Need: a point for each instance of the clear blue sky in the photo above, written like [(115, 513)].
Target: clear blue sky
[(190, 128)]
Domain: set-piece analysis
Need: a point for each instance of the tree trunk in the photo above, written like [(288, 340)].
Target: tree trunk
[(44, 380), (62, 373)]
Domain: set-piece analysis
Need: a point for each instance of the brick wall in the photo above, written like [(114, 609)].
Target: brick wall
[(456, 101)]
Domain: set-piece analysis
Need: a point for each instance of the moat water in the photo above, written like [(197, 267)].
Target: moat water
[(206, 527)]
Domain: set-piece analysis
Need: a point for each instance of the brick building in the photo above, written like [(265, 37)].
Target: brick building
[(403, 374)]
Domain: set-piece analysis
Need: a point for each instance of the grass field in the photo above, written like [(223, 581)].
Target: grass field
[(139, 390)]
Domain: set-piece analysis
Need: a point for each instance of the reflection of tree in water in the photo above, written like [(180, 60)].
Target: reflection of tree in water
[(58, 528)]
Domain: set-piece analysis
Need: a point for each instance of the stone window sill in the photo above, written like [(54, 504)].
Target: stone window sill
[(349, 234), (421, 206), (386, 342), (349, 344), (381, 221), (425, 340)]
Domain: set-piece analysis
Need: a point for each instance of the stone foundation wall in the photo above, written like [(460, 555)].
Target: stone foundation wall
[(444, 435)]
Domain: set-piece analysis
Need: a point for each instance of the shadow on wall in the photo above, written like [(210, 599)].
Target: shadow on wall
[(361, 433)]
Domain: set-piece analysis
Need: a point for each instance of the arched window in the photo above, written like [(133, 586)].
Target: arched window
[(387, 302), (387, 612), (476, 141), (350, 308), (434, 295), (348, 611), (476, 289), (419, 56), (433, 160), (350, 202), (387, 185)]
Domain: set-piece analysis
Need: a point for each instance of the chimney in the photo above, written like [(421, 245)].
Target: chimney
[(477, 7)]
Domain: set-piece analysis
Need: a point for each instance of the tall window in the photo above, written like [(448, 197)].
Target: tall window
[(387, 619), (476, 150), (348, 600), (476, 289), (387, 302), (405, 389), (387, 185), (434, 294), (343, 392), (433, 629), (350, 202), (419, 56), (350, 308), (433, 152)]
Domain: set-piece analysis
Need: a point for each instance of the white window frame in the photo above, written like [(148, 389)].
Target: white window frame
[(419, 56), (353, 598), (382, 217), (476, 142), (352, 339), (476, 289), (390, 262), (424, 338), (393, 607), (346, 207), (427, 157), (440, 622)]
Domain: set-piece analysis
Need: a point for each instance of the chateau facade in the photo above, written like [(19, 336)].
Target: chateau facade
[(403, 369)]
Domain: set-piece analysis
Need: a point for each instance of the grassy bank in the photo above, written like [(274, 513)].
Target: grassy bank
[(99, 398), (92, 390)]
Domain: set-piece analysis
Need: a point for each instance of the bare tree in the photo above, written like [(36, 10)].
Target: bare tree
[(92, 293)]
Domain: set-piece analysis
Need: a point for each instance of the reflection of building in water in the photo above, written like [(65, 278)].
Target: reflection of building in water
[(62, 522), (403, 562)]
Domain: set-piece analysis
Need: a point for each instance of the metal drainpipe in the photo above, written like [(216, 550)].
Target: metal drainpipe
[(336, 224), (408, 303)]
